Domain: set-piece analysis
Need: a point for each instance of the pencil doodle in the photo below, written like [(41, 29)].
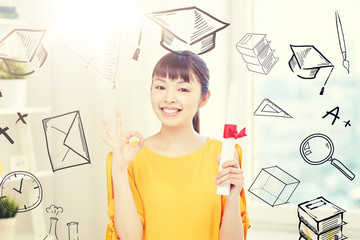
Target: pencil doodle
[(187, 29), (21, 117), (320, 219), (342, 45), (104, 61), (3, 132), (65, 141), (270, 109), (307, 61), (256, 51), (274, 186), (317, 149), (22, 51)]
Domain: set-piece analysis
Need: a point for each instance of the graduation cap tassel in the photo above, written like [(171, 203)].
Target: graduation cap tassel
[(137, 51)]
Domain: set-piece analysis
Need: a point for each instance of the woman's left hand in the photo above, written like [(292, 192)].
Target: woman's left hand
[(232, 174)]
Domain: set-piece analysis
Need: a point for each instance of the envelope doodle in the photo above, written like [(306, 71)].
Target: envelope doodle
[(65, 141)]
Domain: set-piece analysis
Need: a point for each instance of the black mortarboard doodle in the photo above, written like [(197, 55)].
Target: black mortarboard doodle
[(186, 29)]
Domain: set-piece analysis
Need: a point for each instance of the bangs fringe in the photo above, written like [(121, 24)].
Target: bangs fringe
[(173, 66)]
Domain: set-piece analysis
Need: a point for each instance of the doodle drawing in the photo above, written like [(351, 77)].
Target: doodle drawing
[(23, 47), (320, 219), (104, 61), (307, 61), (65, 141), (21, 117), (24, 187), (256, 51), (187, 29), (270, 109), (318, 148), (54, 212), (274, 186), (341, 37), (3, 132), (73, 230)]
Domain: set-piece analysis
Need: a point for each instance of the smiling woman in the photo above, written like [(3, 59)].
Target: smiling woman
[(172, 175)]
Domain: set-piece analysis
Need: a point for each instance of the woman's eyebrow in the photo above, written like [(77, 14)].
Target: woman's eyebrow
[(159, 79)]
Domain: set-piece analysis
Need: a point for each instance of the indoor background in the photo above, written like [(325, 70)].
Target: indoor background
[(80, 34)]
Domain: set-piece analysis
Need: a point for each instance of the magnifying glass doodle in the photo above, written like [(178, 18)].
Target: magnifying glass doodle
[(318, 148)]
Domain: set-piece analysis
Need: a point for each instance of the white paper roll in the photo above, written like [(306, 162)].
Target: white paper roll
[(228, 144)]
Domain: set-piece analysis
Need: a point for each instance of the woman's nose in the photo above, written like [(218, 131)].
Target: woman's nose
[(170, 96)]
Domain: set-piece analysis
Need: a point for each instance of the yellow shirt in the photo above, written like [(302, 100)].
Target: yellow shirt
[(175, 196)]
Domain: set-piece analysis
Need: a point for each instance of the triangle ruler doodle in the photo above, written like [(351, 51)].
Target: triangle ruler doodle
[(269, 109), (104, 62)]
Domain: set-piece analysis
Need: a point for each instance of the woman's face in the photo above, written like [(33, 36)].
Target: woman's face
[(175, 102)]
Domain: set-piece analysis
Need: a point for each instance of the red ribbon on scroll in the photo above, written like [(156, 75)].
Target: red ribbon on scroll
[(230, 131)]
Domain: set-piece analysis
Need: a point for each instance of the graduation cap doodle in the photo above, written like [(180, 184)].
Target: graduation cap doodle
[(186, 29), (23, 47), (307, 61)]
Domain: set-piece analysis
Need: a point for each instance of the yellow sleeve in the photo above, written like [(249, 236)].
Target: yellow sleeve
[(110, 230), (244, 213)]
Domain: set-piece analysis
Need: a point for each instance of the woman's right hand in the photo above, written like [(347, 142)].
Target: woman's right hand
[(123, 151)]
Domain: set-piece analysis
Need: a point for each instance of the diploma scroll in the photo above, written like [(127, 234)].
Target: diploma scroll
[(230, 132)]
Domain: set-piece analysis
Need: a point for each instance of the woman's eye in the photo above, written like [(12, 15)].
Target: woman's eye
[(183, 90), (159, 87)]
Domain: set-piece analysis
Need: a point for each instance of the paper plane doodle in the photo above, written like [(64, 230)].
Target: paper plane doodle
[(187, 29), (269, 109), (307, 61), (23, 49), (65, 141)]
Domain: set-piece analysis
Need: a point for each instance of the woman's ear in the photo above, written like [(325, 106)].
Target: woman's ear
[(204, 99)]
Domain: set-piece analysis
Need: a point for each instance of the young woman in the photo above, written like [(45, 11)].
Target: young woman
[(164, 187)]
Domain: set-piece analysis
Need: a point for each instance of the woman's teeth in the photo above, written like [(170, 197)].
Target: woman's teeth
[(170, 111)]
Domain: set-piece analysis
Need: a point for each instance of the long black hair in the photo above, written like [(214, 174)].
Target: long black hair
[(182, 64)]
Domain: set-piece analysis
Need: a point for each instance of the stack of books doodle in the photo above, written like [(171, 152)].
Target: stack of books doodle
[(8, 12), (320, 219), (257, 53)]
